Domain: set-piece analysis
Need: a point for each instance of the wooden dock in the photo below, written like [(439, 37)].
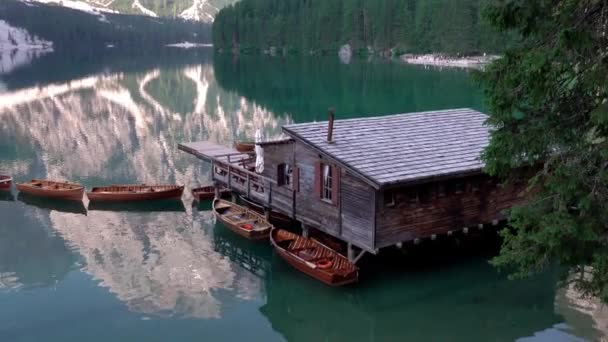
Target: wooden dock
[(234, 170), (208, 151)]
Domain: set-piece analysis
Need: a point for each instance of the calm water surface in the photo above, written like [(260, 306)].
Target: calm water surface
[(167, 272)]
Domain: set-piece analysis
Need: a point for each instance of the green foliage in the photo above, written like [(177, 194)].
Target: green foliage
[(70, 29), (548, 100), (416, 26)]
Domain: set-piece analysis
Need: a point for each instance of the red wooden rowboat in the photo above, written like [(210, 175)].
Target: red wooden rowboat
[(207, 193), (244, 146), (314, 259), (127, 193), (5, 182), (52, 189), (241, 220)]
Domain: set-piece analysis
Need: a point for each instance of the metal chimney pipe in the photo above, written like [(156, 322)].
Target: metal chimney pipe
[(330, 127)]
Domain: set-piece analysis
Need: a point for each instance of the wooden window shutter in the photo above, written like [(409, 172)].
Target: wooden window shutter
[(295, 183), (318, 178), (335, 185)]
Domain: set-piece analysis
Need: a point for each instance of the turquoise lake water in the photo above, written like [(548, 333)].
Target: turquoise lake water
[(74, 272)]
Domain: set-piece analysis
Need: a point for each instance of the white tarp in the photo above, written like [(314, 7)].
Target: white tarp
[(259, 153)]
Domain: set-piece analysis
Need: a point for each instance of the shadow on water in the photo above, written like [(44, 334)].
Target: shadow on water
[(7, 196), (141, 207), (438, 292), (73, 207), (253, 256)]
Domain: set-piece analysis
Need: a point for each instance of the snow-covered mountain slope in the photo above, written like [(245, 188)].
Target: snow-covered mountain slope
[(197, 10), (14, 38), (18, 47)]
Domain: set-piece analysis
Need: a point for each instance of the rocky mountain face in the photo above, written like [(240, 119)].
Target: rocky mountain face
[(198, 10)]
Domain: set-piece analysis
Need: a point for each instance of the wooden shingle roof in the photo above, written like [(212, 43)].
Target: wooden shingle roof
[(402, 148)]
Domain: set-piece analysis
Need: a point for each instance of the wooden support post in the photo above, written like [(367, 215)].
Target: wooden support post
[(229, 176), (233, 197), (217, 186), (267, 212), (450, 233), (434, 237), (305, 231), (248, 186), (351, 254), (495, 222), (416, 241), (399, 245), (270, 194), (480, 226), (465, 230)]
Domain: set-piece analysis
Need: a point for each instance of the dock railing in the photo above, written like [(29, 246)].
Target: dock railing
[(236, 177)]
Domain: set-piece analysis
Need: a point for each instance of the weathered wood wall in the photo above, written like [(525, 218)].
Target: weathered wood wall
[(310, 209), (358, 211), (439, 207), (274, 155)]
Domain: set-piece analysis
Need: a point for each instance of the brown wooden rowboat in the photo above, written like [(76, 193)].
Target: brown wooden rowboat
[(275, 217), (5, 182), (244, 146), (129, 193), (241, 220), (207, 193), (314, 259), (52, 189)]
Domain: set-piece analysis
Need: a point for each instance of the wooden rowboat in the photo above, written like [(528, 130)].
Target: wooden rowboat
[(244, 146), (52, 189), (275, 217), (5, 182), (241, 220), (314, 259), (207, 193), (128, 193)]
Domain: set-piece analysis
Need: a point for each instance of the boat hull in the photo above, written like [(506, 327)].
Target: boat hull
[(5, 183), (248, 234), (244, 147), (135, 196), (207, 193), (275, 217), (75, 194), (326, 277)]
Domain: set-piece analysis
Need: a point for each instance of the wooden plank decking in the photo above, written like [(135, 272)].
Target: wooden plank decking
[(209, 151)]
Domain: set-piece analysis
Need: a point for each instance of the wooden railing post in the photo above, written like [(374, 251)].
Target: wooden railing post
[(229, 176), (248, 186), (269, 194)]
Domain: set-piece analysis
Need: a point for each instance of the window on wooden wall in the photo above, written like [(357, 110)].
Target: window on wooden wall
[(389, 198), (284, 174), (327, 176), (458, 188), (440, 190), (327, 182), (474, 185), (413, 196)]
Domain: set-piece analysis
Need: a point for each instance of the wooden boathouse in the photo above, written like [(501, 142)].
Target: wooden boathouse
[(373, 182)]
